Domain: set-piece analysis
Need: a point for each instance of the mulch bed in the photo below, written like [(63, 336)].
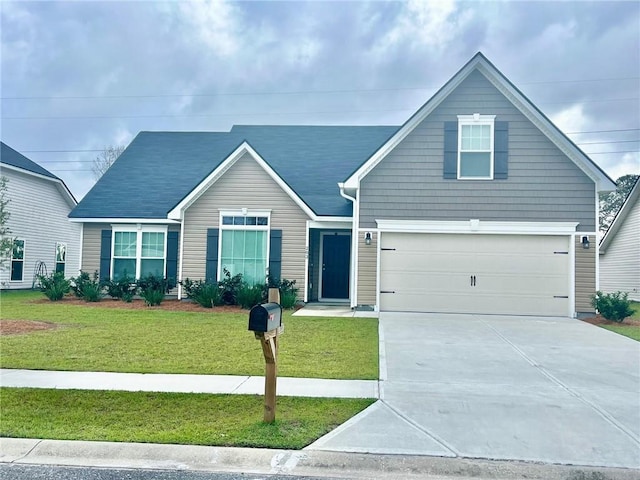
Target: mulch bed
[(599, 320), (18, 327)]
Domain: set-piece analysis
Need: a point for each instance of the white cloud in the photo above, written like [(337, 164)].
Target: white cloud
[(217, 23), (572, 119), (432, 24)]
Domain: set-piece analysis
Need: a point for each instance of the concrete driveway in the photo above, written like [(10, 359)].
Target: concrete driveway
[(553, 390)]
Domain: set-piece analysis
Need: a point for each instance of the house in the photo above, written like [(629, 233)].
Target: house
[(620, 249), (477, 204), (45, 241)]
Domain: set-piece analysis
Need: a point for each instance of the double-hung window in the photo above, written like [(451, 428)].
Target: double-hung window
[(17, 261), (244, 245), (475, 146), (61, 257), (139, 252)]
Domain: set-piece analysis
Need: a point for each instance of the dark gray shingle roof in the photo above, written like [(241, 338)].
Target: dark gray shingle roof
[(158, 169), (9, 156)]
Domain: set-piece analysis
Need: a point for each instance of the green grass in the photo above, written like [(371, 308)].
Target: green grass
[(173, 418), (95, 338)]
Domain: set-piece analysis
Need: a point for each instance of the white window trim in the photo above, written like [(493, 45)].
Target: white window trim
[(23, 260), (244, 212), (139, 229), (477, 119)]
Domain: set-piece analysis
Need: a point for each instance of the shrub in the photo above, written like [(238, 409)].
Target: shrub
[(612, 306), (206, 294), (288, 291), (250, 295), (124, 288), (86, 287), (229, 287), (54, 286), (152, 289)]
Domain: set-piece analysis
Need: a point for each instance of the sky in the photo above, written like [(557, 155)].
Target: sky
[(77, 77)]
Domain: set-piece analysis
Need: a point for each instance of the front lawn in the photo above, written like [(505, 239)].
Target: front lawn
[(95, 337), (175, 418)]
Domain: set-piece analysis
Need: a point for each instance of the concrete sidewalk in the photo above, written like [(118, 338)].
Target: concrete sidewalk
[(155, 382)]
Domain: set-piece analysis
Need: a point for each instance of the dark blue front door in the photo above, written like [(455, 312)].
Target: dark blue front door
[(336, 252)]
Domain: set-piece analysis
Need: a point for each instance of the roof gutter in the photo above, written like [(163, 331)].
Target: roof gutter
[(354, 244)]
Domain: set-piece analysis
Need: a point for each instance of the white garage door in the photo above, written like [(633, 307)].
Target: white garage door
[(485, 274)]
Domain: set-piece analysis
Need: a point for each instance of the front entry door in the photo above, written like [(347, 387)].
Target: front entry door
[(336, 252)]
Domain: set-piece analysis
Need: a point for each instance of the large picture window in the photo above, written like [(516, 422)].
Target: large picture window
[(17, 261), (139, 253), (475, 146), (244, 246)]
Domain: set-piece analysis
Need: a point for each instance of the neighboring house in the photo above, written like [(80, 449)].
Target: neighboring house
[(620, 249), (477, 204), (39, 205)]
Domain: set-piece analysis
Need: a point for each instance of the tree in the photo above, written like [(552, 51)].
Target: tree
[(6, 241), (611, 202), (105, 159)]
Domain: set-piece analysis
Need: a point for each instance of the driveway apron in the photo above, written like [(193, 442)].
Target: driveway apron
[(552, 390)]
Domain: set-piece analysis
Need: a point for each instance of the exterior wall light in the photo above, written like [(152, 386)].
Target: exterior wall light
[(367, 238), (585, 242)]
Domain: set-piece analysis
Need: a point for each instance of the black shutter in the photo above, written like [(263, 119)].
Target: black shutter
[(105, 254), (211, 271), (172, 258), (501, 150), (275, 254), (450, 167)]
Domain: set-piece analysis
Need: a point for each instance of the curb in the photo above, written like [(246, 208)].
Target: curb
[(285, 462)]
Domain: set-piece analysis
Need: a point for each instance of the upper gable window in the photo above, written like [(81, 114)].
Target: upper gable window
[(476, 146)]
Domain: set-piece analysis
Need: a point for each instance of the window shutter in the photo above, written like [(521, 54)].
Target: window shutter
[(275, 254), (172, 258), (105, 254), (211, 271), (450, 150), (501, 150)]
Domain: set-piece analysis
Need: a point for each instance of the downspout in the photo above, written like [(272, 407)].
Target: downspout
[(354, 246)]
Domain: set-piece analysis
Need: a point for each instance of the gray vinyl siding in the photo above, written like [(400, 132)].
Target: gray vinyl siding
[(38, 215), (91, 246), (367, 263), (542, 184), (585, 274), (246, 185), (620, 263)]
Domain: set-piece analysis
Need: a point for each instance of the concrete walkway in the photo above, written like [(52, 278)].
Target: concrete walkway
[(153, 382)]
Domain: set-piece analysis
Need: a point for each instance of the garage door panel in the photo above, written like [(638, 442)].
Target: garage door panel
[(469, 273)]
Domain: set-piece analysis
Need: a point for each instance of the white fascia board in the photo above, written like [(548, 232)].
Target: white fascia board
[(62, 187), (341, 223), (177, 212), (474, 226), (156, 221)]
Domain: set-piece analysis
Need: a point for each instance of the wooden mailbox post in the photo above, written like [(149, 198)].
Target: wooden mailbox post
[(269, 341)]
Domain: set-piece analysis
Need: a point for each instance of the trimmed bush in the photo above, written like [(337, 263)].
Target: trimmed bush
[(250, 295), (612, 306), (152, 289), (288, 291), (123, 289), (229, 286), (54, 286), (206, 294), (86, 287)]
